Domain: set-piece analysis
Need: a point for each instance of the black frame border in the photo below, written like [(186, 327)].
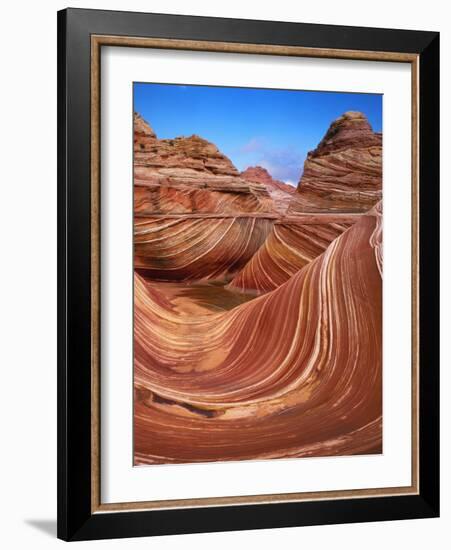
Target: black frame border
[(75, 519)]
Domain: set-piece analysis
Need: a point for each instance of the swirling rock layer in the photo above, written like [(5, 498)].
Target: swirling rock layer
[(192, 248), (291, 245), (344, 173), (296, 372)]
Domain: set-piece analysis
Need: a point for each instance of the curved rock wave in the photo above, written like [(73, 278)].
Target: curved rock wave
[(293, 373), (291, 245), (197, 247)]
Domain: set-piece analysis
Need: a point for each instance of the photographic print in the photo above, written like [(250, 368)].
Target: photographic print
[(257, 273), (231, 352)]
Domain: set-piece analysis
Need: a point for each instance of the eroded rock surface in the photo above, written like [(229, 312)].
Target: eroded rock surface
[(279, 191), (344, 173), (189, 175)]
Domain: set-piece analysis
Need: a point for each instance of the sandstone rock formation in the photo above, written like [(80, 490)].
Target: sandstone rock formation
[(195, 218), (189, 175), (344, 173), (286, 359), (294, 373), (342, 179), (279, 191), (194, 248), (291, 245)]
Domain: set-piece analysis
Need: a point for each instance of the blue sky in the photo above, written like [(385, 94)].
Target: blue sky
[(271, 128)]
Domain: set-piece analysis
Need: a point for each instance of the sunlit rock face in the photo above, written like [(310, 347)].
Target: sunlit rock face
[(344, 173), (296, 372), (279, 191), (189, 175), (195, 217)]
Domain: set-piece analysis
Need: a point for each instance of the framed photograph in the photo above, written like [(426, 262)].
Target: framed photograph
[(248, 274)]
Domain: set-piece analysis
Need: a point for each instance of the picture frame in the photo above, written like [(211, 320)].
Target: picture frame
[(81, 36)]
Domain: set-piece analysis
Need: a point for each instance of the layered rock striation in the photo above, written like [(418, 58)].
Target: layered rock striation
[(195, 217), (291, 245), (286, 359), (195, 248), (189, 175), (344, 173), (294, 373), (342, 179)]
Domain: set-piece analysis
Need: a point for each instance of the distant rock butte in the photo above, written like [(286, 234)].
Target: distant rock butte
[(259, 174), (190, 175), (280, 192), (344, 173)]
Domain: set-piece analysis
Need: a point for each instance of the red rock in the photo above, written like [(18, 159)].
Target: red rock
[(195, 248), (280, 192), (143, 132), (294, 373), (189, 175), (291, 245), (342, 179), (220, 374), (344, 173), (261, 175), (195, 218)]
